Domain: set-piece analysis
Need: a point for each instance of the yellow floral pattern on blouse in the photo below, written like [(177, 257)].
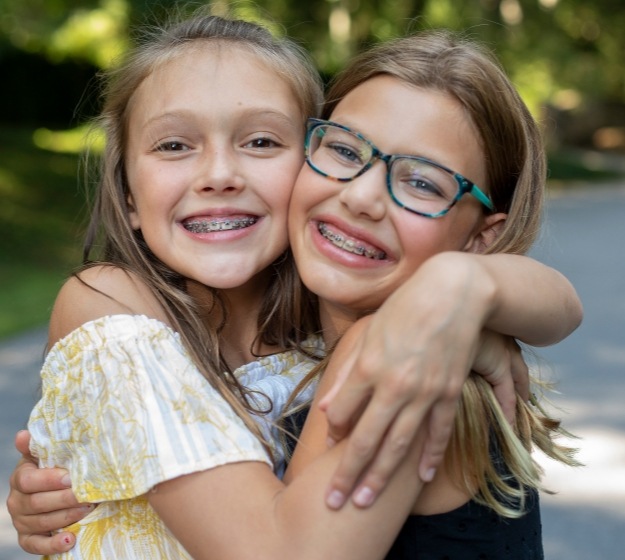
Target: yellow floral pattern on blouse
[(123, 408)]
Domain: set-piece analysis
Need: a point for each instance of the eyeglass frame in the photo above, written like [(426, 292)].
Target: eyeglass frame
[(465, 186)]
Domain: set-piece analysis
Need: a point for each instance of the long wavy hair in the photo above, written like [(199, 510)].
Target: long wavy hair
[(289, 313), (454, 65)]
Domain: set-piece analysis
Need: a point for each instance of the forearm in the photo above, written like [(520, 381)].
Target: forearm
[(533, 302), (208, 512), (242, 511), (509, 294)]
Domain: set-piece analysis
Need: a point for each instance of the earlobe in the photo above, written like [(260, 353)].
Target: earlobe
[(133, 215), (487, 233)]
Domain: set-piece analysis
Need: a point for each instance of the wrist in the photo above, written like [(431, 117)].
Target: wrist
[(466, 279)]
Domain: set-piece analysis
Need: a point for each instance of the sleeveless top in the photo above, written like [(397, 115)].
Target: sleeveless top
[(473, 531)]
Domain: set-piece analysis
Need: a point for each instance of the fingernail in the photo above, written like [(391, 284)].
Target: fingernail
[(66, 481), (330, 442), (87, 507), (363, 497), (68, 541), (429, 475), (335, 499)]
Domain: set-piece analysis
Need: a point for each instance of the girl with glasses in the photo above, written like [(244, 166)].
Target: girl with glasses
[(391, 187)]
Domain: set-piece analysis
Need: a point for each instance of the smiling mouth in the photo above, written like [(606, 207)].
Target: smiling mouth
[(350, 245), (219, 224)]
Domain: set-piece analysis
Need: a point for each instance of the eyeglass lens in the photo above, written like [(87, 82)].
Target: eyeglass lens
[(414, 183)]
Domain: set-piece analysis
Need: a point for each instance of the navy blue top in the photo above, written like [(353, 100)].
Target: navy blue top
[(471, 532)]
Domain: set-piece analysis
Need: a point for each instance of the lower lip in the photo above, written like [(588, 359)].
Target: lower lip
[(222, 236), (338, 255)]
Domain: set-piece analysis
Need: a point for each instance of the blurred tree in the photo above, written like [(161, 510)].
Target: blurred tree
[(556, 51)]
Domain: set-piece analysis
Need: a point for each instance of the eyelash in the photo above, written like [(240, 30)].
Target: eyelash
[(259, 143), (266, 143), (171, 146)]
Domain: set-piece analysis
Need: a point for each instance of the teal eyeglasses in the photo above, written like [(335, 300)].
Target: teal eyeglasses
[(414, 183)]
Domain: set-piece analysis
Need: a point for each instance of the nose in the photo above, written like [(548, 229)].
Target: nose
[(366, 195), (220, 171)]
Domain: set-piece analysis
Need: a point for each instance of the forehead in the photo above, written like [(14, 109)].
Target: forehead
[(403, 119), (213, 72)]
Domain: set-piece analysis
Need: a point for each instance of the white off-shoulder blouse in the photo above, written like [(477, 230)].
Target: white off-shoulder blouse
[(123, 408)]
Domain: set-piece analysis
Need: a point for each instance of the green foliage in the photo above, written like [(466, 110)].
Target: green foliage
[(546, 45), (40, 219)]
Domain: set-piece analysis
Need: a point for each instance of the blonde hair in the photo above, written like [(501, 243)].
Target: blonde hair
[(510, 138), (289, 313)]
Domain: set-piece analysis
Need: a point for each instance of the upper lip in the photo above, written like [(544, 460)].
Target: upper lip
[(356, 232)]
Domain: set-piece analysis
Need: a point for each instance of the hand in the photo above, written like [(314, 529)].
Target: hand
[(41, 501), (500, 361), (409, 365)]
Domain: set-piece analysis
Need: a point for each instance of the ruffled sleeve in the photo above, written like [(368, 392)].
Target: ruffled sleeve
[(124, 408)]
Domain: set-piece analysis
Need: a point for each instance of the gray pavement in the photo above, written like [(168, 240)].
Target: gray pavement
[(584, 238)]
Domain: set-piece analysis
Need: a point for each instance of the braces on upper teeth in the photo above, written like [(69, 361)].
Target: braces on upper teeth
[(348, 245), (203, 226)]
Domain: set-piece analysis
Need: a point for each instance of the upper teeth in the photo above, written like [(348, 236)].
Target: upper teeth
[(206, 226), (348, 245)]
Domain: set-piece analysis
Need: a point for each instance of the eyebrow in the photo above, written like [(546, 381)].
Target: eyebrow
[(255, 111)]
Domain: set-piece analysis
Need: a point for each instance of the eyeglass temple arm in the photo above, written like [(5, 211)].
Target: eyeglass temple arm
[(483, 198)]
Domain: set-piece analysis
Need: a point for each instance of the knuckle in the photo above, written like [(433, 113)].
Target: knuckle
[(361, 446), (29, 544), (45, 524), (398, 446), (11, 503), (36, 503), (377, 480), (402, 383)]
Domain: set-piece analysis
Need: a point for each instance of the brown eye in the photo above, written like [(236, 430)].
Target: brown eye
[(171, 146)]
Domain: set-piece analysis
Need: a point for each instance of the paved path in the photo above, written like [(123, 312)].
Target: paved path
[(585, 239)]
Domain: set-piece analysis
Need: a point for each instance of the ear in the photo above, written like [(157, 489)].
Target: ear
[(487, 232), (133, 215)]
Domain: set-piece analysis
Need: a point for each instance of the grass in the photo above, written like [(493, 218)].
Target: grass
[(40, 221), (42, 214)]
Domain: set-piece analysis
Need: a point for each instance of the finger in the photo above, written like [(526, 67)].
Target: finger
[(505, 394), (342, 375), (47, 545), (439, 430), (29, 479), (362, 445), (346, 407), (45, 523), (388, 457), (520, 372), (22, 441), (45, 502)]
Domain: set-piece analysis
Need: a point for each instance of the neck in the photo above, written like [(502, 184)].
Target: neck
[(238, 343), (335, 320)]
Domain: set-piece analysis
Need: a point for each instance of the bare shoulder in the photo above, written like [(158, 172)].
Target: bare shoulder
[(97, 292)]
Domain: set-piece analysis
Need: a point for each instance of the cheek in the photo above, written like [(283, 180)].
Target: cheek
[(421, 238), (311, 189)]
